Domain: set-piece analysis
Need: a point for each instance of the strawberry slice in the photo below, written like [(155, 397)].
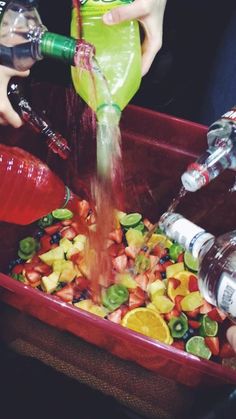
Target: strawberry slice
[(115, 316), (174, 282), (194, 324), (82, 283), (180, 258), (226, 351), (120, 263), (66, 293), (116, 235), (84, 208), (217, 315), (116, 249), (142, 280), (205, 308), (193, 283), (33, 277), (45, 243), (136, 298), (54, 228), (172, 313), (18, 268), (131, 252), (213, 344), (193, 313), (68, 233), (179, 344), (43, 268)]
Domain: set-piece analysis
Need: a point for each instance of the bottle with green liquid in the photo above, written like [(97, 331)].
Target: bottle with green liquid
[(117, 53)]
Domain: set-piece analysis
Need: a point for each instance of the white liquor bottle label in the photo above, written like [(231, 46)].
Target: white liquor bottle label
[(226, 295)]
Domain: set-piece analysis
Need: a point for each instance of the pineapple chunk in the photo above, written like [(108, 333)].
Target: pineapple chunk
[(65, 244), (68, 272), (50, 282), (52, 255), (134, 237), (80, 238), (157, 287), (172, 270), (126, 280)]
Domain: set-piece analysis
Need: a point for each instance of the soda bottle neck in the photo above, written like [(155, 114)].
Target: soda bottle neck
[(192, 237)]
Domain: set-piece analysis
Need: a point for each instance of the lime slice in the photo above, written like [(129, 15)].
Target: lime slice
[(131, 220), (196, 346), (62, 214), (208, 327), (191, 263)]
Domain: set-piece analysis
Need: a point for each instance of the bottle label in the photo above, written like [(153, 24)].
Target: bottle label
[(3, 6), (231, 115), (99, 7), (226, 295)]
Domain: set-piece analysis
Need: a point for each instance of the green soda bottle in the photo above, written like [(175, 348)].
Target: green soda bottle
[(117, 52)]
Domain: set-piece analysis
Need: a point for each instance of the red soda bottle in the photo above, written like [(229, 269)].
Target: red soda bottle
[(28, 188)]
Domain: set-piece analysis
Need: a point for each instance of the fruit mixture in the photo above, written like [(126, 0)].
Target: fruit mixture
[(153, 286)]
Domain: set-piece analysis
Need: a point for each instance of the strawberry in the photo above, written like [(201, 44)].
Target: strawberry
[(142, 281), (193, 313), (120, 263), (131, 252), (45, 243), (116, 235), (178, 300), (194, 324), (33, 277), (205, 308), (172, 313), (179, 344), (217, 315), (66, 293), (159, 251), (193, 283), (54, 228), (174, 282), (226, 351), (43, 269), (18, 268), (136, 298), (180, 258), (116, 249), (115, 316), (68, 232), (84, 208), (66, 223), (81, 282), (213, 344)]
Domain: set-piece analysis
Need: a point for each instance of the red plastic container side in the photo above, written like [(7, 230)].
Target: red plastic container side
[(156, 150)]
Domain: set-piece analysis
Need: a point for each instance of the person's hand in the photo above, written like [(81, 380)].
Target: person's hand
[(231, 336), (7, 113), (150, 14)]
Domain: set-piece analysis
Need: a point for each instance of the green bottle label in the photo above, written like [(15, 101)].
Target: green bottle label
[(99, 7), (57, 46)]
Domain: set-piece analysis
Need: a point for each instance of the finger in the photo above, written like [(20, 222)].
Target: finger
[(9, 116), (231, 336), (149, 51), (122, 13)]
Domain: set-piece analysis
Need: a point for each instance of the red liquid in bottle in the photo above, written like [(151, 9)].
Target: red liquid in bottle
[(28, 188)]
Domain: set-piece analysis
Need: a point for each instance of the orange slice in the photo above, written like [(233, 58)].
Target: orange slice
[(149, 323)]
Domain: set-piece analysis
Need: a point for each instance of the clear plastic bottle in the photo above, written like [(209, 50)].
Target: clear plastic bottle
[(25, 40), (220, 155), (118, 55), (217, 259), (28, 188)]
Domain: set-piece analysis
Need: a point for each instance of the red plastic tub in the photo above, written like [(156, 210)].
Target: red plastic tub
[(156, 150)]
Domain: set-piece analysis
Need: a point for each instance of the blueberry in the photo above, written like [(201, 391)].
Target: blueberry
[(55, 238), (39, 234), (163, 275), (15, 262), (145, 248), (190, 333)]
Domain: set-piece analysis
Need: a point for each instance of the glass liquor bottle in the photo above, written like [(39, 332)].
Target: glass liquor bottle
[(217, 259)]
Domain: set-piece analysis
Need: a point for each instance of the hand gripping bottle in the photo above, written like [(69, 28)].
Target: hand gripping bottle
[(217, 259), (25, 40), (220, 155), (28, 188), (117, 52)]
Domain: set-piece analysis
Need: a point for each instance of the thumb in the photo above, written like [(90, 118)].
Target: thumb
[(231, 336), (120, 14)]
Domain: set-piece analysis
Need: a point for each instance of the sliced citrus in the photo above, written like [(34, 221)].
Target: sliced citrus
[(208, 327), (190, 262), (159, 239), (183, 288), (62, 214), (149, 323), (196, 346)]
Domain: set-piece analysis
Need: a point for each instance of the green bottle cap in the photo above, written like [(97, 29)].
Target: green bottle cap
[(57, 46)]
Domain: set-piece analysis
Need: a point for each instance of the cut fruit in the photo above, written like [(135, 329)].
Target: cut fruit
[(174, 269), (192, 301), (62, 214), (208, 326), (183, 288), (196, 346), (191, 263), (130, 220), (149, 323)]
